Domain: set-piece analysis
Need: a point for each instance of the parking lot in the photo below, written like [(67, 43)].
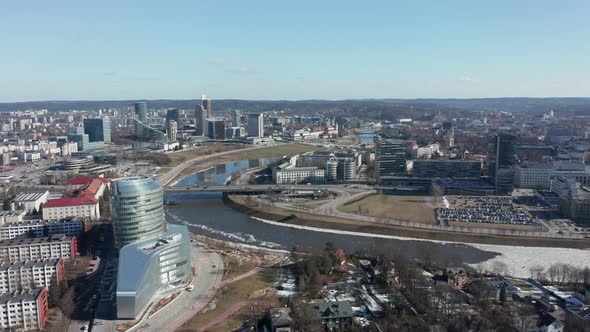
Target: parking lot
[(483, 209)]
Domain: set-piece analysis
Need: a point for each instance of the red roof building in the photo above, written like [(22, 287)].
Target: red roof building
[(83, 206), (70, 201)]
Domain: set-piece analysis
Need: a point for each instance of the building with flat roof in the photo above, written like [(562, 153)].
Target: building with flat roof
[(23, 249), (255, 125), (501, 163), (140, 113), (98, 129), (24, 311), (83, 206), (137, 206), (31, 201), (40, 228), (11, 216), (27, 275), (148, 267), (390, 158), (459, 169)]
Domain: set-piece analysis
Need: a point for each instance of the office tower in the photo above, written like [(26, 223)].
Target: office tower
[(390, 158), (255, 125), (173, 114), (501, 163), (98, 130), (206, 103), (201, 128), (172, 131), (137, 205), (140, 114), (154, 258), (237, 118), (216, 128)]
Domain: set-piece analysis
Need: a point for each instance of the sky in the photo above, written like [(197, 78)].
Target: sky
[(249, 49)]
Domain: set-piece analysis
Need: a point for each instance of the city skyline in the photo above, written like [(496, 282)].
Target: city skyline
[(268, 51)]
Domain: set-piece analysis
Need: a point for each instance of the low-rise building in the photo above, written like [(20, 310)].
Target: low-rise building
[(24, 311), (24, 249), (39, 228), (31, 202), (446, 169), (333, 316), (280, 319), (576, 207), (11, 216), (577, 319), (30, 274), (84, 206)]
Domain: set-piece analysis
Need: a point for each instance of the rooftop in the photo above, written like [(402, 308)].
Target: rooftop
[(37, 240), (5, 266), (15, 297), (30, 197), (71, 201), (86, 180), (42, 222)]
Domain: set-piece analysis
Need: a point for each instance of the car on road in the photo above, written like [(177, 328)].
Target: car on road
[(190, 288), (84, 328)]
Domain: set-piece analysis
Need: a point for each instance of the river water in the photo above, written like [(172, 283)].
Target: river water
[(205, 214)]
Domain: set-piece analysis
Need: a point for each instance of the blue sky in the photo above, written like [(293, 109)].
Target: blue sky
[(58, 50)]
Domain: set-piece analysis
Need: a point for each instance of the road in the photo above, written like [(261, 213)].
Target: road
[(169, 176), (262, 188)]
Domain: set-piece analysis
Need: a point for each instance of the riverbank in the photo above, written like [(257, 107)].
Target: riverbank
[(240, 204)]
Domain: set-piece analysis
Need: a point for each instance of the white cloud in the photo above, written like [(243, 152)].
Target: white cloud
[(468, 78)]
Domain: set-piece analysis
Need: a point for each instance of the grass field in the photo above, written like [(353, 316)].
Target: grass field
[(236, 265), (410, 208), (182, 156), (227, 296)]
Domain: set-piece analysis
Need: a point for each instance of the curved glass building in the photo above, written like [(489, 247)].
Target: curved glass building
[(137, 206)]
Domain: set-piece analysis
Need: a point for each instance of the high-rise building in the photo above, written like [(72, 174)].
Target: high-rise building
[(206, 103), (172, 131), (501, 163), (390, 158), (140, 113), (137, 205), (200, 120), (255, 125), (154, 257), (98, 129), (173, 114), (216, 128), (237, 118)]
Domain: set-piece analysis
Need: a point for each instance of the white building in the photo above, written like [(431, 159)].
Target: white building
[(24, 249), (40, 228), (31, 201), (61, 208), (11, 216), (289, 173), (533, 175), (29, 274), (24, 311)]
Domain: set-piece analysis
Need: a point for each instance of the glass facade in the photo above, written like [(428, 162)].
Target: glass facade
[(137, 205), (98, 130), (148, 267)]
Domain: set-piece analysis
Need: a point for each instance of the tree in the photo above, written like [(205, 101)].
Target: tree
[(6, 206), (54, 296)]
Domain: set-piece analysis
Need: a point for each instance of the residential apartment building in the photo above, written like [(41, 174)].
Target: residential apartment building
[(24, 249), (11, 216), (27, 275), (84, 206), (39, 228), (24, 311)]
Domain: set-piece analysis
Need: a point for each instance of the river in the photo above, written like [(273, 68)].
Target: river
[(205, 214)]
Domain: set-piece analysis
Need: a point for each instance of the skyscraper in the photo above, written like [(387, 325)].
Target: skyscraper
[(98, 130), (390, 158), (172, 131), (140, 113), (237, 118), (206, 103), (173, 114), (501, 163), (216, 128), (255, 125), (137, 205)]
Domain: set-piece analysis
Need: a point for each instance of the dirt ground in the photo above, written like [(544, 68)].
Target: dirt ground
[(410, 208)]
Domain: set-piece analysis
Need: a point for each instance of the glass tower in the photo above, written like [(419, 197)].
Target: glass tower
[(137, 205)]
